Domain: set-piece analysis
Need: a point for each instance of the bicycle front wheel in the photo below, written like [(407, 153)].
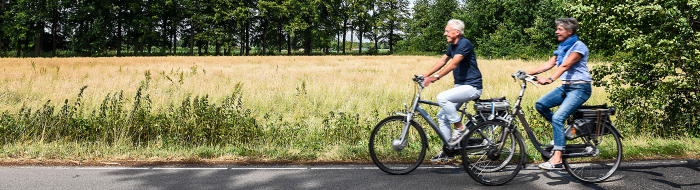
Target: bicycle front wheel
[(392, 155), (485, 162), (604, 157)]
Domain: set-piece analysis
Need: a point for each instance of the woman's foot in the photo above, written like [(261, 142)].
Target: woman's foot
[(549, 166), (554, 162)]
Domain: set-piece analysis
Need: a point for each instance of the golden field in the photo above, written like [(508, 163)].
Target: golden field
[(296, 88), (295, 102)]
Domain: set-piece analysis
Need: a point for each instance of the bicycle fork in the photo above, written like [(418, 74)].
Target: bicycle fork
[(399, 144)]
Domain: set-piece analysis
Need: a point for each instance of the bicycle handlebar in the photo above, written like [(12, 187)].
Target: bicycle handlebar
[(419, 79), (521, 75)]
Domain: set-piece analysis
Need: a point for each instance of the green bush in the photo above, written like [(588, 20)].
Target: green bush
[(654, 73)]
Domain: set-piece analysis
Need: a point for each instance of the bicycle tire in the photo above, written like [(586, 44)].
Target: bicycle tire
[(601, 167), (401, 161), (483, 165)]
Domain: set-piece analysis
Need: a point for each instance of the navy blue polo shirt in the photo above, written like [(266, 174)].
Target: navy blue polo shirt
[(467, 71)]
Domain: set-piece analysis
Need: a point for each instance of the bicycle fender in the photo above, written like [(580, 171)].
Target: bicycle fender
[(615, 130)]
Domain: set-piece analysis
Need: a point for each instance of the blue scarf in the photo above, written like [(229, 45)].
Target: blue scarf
[(564, 47)]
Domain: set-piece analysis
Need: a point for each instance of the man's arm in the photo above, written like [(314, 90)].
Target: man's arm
[(450, 66), (440, 62)]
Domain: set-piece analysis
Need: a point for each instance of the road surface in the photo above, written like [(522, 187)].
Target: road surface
[(674, 174)]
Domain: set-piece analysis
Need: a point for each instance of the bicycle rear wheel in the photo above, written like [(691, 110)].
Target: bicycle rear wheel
[(604, 161), (393, 156), (482, 160)]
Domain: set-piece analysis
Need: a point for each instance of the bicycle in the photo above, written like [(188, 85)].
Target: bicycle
[(398, 144), (592, 153)]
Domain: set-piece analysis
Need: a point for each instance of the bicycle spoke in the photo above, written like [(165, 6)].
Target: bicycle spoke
[(384, 152), (488, 165), (596, 167)]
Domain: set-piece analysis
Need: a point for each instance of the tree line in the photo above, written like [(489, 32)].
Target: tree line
[(150, 27), (503, 28)]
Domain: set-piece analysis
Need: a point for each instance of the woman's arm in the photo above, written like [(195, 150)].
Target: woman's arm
[(544, 66), (573, 58)]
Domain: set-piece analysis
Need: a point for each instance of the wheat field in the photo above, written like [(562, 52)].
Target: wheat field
[(303, 107), (295, 87)]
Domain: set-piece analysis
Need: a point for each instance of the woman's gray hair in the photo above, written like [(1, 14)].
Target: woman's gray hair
[(457, 25), (568, 23)]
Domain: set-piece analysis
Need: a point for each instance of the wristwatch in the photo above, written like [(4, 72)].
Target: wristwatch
[(437, 76), (550, 78)]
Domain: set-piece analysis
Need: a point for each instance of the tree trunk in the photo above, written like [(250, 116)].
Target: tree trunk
[(1, 42), (295, 39), (345, 32), (247, 39), (137, 46), (26, 43), (391, 37), (53, 32), (191, 38), (218, 48), (174, 49), (242, 46), (376, 42), (279, 42), (37, 42), (2, 10), (352, 31), (359, 31), (164, 42), (199, 48), (289, 44), (119, 39), (19, 47), (307, 41), (264, 37)]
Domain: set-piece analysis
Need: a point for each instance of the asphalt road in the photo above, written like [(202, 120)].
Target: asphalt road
[(676, 174)]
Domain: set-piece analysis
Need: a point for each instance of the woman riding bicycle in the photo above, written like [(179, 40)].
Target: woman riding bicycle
[(467, 87), (571, 58)]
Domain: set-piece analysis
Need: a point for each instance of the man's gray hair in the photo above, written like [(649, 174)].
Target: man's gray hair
[(457, 25), (568, 23)]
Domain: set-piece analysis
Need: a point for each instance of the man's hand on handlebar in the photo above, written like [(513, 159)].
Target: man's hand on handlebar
[(429, 80)]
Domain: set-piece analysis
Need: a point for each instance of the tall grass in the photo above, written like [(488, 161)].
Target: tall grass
[(277, 107)]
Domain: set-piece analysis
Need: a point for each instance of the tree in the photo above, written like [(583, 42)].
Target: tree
[(395, 13), (654, 76), (511, 28), (424, 32), (3, 3)]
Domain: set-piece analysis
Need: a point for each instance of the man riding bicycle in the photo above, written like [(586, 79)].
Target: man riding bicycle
[(467, 80), (571, 58)]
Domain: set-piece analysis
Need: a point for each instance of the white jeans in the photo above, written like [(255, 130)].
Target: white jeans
[(450, 100)]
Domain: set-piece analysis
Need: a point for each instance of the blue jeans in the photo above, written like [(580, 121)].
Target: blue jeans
[(450, 100), (568, 97)]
